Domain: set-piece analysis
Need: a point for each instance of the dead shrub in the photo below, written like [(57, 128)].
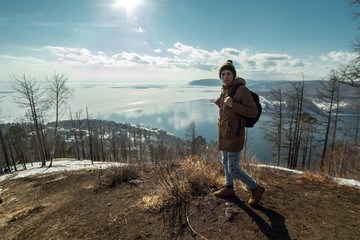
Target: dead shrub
[(110, 177), (342, 161), (178, 182), (181, 180), (314, 176)]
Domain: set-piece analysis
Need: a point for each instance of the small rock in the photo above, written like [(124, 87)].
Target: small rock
[(306, 227), (229, 213), (109, 204)]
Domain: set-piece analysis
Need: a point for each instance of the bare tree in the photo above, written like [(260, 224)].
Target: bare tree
[(30, 96), (7, 160), (295, 106), (335, 122), (17, 137), (191, 136), (350, 73), (308, 127), (59, 93), (114, 145), (90, 137), (81, 135), (357, 125), (124, 149), (328, 93), (75, 135), (273, 129)]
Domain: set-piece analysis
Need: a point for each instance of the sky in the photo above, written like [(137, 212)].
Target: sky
[(151, 41)]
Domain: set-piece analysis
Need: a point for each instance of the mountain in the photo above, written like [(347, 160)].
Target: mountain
[(206, 82), (310, 87), (350, 95)]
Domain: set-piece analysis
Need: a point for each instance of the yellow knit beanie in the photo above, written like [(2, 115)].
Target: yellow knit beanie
[(227, 66)]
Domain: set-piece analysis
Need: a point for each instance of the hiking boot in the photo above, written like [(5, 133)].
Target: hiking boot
[(256, 195), (226, 192)]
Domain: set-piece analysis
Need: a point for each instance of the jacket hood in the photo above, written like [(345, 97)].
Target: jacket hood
[(237, 81)]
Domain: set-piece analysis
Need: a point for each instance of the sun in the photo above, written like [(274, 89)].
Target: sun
[(128, 5)]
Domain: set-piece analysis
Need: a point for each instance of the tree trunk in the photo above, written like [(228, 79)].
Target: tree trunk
[(4, 150), (90, 137)]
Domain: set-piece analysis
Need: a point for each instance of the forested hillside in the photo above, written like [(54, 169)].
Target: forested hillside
[(97, 140)]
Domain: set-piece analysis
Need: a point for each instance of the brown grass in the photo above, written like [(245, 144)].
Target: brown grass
[(180, 180), (183, 179), (317, 176), (112, 176)]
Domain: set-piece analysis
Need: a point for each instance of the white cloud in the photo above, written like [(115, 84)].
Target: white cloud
[(185, 61), (339, 56), (23, 59)]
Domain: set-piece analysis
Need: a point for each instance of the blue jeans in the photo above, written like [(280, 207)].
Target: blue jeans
[(231, 162)]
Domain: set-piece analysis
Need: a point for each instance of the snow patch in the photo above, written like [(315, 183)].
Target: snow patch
[(346, 182), (57, 166), (280, 168), (341, 181)]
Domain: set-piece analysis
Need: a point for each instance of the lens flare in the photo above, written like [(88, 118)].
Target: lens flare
[(129, 5)]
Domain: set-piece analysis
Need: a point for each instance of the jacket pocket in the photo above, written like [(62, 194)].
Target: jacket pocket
[(229, 130)]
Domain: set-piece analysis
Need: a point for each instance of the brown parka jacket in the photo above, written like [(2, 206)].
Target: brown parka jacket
[(230, 139)]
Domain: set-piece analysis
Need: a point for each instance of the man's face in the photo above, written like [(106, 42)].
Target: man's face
[(226, 77)]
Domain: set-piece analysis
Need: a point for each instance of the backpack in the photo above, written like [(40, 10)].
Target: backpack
[(249, 122)]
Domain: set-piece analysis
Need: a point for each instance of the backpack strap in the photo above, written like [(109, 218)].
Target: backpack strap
[(233, 91), (232, 94)]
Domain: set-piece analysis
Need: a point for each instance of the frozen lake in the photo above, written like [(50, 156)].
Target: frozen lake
[(168, 107)]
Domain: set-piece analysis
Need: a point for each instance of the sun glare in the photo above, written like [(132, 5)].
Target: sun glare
[(129, 5)]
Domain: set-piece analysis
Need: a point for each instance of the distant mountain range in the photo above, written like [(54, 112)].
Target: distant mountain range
[(206, 82), (350, 95), (260, 86)]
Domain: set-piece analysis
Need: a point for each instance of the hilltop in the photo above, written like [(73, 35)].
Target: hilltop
[(70, 205)]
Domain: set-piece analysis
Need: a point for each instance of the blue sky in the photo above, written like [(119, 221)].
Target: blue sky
[(174, 41)]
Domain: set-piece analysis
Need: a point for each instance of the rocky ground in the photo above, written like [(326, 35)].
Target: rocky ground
[(67, 206)]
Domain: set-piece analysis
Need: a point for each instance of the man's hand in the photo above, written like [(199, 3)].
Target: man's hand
[(229, 101), (217, 102)]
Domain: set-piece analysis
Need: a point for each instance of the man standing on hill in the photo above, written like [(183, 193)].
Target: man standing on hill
[(231, 128)]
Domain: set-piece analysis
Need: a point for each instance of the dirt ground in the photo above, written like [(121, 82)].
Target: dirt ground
[(66, 206)]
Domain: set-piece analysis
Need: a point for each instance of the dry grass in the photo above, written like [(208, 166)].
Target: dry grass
[(112, 176), (317, 176), (181, 180)]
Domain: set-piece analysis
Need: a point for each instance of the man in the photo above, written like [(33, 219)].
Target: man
[(231, 128)]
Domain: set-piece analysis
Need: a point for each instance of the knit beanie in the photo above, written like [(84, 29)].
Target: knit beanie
[(227, 66)]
